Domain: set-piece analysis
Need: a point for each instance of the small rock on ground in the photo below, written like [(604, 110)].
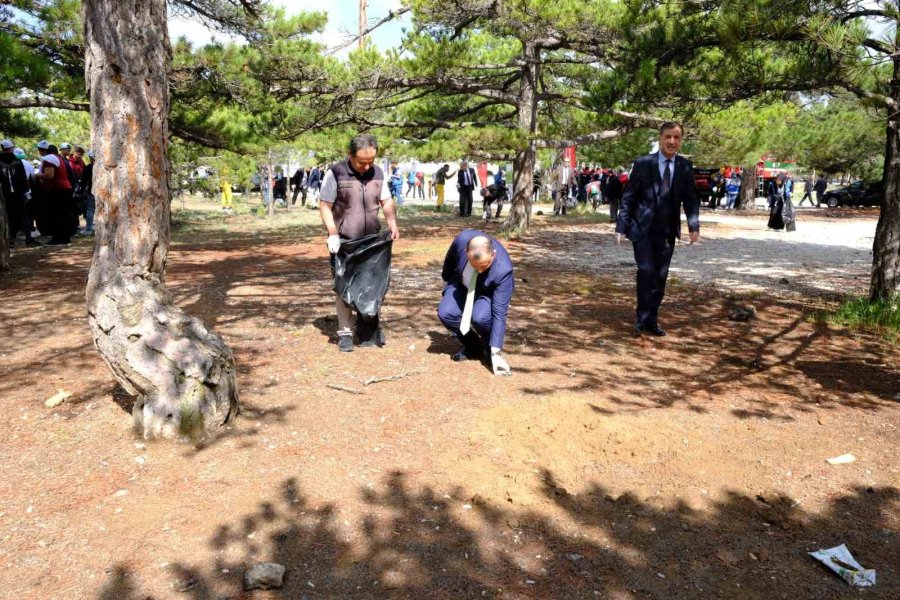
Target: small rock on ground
[(264, 576)]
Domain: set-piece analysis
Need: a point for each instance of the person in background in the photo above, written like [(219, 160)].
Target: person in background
[(561, 178), (411, 182), (76, 161), (265, 186), (87, 184), (298, 185), (314, 185), (777, 197), (465, 184), (820, 186), (716, 189), (732, 188), (807, 191), (420, 183), (396, 184), (613, 193), (53, 181), (225, 185), (280, 187), (16, 192), (440, 184), (537, 179)]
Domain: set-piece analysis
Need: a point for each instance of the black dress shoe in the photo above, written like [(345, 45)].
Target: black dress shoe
[(459, 356), (651, 329)]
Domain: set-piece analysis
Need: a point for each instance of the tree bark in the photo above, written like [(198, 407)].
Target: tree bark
[(4, 236), (523, 165), (182, 374), (885, 282), (749, 182)]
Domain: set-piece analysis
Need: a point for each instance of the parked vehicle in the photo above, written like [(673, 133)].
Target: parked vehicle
[(702, 176), (858, 193)]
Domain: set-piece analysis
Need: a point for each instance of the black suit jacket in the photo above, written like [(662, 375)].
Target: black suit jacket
[(459, 179), (640, 200)]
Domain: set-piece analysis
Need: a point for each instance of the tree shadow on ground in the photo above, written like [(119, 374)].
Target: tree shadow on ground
[(428, 543)]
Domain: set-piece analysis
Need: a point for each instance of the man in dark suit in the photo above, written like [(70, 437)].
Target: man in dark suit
[(465, 183), (479, 286), (649, 215), (820, 186)]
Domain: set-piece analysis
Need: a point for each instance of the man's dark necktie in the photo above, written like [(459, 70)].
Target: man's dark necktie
[(666, 180)]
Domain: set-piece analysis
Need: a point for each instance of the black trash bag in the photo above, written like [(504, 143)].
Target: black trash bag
[(362, 272)]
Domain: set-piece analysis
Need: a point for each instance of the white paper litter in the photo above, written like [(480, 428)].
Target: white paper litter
[(843, 459), (839, 560)]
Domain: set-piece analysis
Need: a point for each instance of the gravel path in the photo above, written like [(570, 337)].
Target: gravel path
[(826, 256)]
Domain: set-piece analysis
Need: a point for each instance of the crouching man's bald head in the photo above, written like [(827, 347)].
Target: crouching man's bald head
[(480, 252)]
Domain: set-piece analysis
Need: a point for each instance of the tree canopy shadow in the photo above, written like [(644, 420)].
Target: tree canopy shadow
[(430, 543)]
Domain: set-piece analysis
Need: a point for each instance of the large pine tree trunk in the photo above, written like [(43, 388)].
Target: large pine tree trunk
[(749, 183), (182, 374), (523, 165), (886, 247), (4, 236)]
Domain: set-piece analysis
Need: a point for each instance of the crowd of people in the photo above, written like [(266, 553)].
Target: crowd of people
[(587, 184), (48, 196)]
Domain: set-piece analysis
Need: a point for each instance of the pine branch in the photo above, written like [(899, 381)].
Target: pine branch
[(43, 102)]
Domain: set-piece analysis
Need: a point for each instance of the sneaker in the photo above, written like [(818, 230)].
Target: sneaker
[(345, 340), (33, 243)]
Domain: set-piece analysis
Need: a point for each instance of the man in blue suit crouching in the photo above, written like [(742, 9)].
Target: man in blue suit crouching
[(479, 285)]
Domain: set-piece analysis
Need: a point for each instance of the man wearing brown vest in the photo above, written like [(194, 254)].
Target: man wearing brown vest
[(352, 192)]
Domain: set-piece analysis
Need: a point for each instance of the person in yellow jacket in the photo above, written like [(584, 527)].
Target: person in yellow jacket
[(226, 190)]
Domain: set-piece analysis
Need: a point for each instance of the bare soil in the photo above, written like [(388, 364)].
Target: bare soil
[(691, 466)]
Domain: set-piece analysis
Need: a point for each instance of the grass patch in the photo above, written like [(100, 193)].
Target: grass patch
[(882, 316)]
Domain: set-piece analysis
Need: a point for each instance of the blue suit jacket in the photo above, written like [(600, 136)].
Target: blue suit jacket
[(496, 283), (639, 202)]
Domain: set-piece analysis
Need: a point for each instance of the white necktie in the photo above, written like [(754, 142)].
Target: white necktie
[(466, 322)]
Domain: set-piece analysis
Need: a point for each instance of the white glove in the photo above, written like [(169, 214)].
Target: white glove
[(333, 243), (501, 367), (619, 238)]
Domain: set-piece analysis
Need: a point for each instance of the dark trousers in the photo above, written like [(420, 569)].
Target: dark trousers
[(465, 201), (613, 209), (89, 211), (819, 196), (298, 190), (450, 311), (806, 196), (17, 214), (59, 209), (652, 253), (75, 210)]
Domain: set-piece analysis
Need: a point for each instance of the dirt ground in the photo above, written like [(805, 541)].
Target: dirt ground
[(691, 466)]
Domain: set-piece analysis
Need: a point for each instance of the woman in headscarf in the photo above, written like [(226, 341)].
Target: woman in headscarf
[(777, 197)]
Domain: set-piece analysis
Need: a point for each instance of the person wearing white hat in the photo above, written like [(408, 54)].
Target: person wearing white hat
[(14, 183)]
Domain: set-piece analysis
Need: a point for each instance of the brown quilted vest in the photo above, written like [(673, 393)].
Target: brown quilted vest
[(358, 200)]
